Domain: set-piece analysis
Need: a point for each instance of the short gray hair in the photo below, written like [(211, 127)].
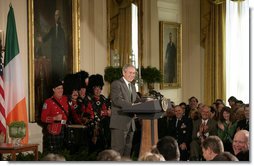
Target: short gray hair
[(127, 66)]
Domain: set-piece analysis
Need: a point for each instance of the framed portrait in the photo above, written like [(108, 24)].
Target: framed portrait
[(54, 30), (170, 54)]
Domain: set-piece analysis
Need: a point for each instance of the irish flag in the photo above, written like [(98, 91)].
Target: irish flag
[(15, 101)]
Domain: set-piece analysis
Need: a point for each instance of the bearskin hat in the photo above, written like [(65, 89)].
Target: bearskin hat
[(95, 80), (82, 76), (71, 82), (56, 83)]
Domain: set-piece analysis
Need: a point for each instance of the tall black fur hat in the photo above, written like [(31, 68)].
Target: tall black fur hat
[(71, 82), (95, 80), (82, 76)]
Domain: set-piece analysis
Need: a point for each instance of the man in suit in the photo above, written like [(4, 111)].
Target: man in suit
[(122, 125), (202, 128), (212, 146), (181, 131), (241, 145), (165, 124), (244, 123)]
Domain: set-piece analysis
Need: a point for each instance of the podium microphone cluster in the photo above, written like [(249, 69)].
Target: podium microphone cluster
[(156, 94)]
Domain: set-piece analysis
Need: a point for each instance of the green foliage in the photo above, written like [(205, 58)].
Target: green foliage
[(151, 75), (17, 129), (82, 155), (112, 73), (25, 156), (18, 124)]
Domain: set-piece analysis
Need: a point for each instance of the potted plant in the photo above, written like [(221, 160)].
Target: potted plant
[(151, 75), (112, 73), (17, 131)]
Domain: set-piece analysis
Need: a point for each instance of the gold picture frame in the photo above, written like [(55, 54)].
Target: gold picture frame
[(42, 16), (170, 54)]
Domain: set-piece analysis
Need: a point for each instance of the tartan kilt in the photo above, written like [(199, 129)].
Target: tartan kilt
[(56, 142)]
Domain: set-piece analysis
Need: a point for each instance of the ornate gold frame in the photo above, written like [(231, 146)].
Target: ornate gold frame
[(176, 29), (75, 8)]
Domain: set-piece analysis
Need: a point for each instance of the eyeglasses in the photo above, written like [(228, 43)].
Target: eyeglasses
[(239, 142)]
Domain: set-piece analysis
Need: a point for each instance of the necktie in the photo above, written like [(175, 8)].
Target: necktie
[(130, 90), (176, 122), (56, 30)]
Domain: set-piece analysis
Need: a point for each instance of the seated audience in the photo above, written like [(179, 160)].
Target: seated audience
[(225, 156), (227, 128), (168, 147), (211, 147), (244, 123), (109, 155), (202, 128), (165, 124), (148, 156), (53, 157), (241, 145), (181, 131)]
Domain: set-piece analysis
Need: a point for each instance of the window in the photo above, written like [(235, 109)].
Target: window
[(237, 50)]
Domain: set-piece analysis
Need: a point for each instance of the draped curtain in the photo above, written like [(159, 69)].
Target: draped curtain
[(120, 20), (213, 15), (238, 50)]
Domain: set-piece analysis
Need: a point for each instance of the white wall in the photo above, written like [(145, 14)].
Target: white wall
[(193, 54)]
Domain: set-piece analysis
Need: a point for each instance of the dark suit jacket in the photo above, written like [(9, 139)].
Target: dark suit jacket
[(165, 127), (212, 128), (243, 125), (183, 131), (120, 98)]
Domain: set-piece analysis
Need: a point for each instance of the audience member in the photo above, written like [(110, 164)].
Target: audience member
[(232, 102), (148, 156), (202, 128), (244, 123), (168, 147), (53, 157), (241, 145), (211, 147), (225, 156), (181, 131), (227, 128), (165, 124), (109, 155), (193, 106)]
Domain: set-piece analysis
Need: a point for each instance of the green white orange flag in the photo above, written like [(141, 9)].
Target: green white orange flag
[(15, 100)]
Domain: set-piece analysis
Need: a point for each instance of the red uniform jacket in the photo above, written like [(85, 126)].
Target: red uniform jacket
[(51, 109)]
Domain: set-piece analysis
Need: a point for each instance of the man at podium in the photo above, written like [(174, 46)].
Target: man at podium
[(123, 94)]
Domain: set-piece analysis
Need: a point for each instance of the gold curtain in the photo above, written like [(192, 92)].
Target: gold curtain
[(120, 32), (213, 36)]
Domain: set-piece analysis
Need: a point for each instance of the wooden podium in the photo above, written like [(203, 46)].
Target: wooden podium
[(149, 112)]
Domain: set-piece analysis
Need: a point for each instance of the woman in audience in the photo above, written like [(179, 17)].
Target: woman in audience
[(227, 128)]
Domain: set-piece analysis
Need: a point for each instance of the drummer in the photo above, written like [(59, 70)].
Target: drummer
[(55, 115)]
